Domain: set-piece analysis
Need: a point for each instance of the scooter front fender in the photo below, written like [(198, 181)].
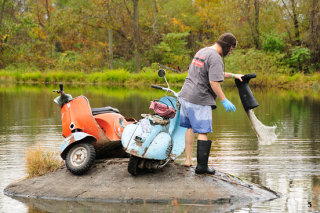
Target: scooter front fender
[(75, 137), (160, 147)]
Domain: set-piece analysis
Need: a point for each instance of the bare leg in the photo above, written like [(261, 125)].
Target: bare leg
[(189, 141), (202, 136)]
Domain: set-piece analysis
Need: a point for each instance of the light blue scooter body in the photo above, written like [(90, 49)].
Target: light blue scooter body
[(150, 140)]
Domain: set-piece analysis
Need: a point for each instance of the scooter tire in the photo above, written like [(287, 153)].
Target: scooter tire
[(133, 165), (80, 158)]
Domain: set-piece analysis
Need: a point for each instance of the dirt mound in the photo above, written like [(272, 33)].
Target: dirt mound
[(108, 181)]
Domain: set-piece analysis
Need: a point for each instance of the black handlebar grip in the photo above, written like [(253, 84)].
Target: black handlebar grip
[(156, 86), (61, 86)]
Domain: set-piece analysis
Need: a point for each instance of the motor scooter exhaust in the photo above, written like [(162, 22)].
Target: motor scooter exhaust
[(247, 99)]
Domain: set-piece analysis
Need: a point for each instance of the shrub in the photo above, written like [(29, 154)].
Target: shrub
[(300, 58), (172, 51), (40, 162), (87, 60), (256, 61), (273, 43), (122, 63)]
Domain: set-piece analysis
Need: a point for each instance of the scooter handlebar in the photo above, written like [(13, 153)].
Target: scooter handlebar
[(60, 91), (165, 89), (156, 86), (61, 86)]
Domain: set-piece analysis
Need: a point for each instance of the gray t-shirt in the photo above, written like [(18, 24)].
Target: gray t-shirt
[(206, 66)]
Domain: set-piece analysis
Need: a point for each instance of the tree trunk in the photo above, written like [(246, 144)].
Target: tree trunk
[(253, 25), (110, 36), (256, 24), (154, 25), (47, 11), (314, 31), (110, 49), (2, 12), (136, 32), (295, 23)]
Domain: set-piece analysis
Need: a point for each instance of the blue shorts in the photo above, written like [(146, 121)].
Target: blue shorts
[(195, 116)]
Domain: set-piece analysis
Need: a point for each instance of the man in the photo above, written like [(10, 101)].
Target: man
[(198, 97)]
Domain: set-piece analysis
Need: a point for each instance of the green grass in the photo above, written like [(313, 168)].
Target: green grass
[(120, 77), (110, 77)]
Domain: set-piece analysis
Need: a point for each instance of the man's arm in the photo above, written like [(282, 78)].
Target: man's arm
[(216, 87), (231, 75)]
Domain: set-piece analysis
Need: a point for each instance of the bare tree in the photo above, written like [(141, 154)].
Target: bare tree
[(294, 16), (135, 18), (154, 25), (253, 24), (256, 24), (47, 10), (2, 12), (110, 36), (136, 31), (315, 31)]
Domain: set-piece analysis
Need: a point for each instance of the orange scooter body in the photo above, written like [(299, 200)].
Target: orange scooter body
[(77, 116), (103, 130)]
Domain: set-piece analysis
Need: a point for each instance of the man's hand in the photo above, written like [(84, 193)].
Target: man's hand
[(238, 76), (228, 105), (231, 75)]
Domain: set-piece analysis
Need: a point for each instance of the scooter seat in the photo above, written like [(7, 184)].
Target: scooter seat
[(101, 110)]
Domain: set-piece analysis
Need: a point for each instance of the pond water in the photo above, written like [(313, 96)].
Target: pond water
[(289, 165)]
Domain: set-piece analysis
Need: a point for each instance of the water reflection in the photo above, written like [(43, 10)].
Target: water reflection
[(37, 206), (291, 165)]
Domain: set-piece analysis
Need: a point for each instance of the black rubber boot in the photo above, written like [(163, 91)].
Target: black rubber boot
[(203, 150)]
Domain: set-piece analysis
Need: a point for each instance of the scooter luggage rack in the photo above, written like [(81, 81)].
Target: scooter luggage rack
[(156, 119)]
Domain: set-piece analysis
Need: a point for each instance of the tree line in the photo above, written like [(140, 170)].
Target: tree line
[(94, 34)]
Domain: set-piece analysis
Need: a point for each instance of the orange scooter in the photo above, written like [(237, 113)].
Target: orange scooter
[(88, 132)]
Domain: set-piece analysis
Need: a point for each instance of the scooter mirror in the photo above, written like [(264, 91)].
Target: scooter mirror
[(161, 73)]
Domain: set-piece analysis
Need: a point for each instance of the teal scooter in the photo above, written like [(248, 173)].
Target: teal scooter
[(157, 138)]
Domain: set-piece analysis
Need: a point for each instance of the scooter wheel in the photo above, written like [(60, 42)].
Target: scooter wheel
[(80, 158), (133, 165)]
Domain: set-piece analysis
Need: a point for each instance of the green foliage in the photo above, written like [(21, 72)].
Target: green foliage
[(152, 68), (172, 51), (22, 67), (73, 34), (256, 61), (84, 61), (300, 58), (273, 43), (122, 63)]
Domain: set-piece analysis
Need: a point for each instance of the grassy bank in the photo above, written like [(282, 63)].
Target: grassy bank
[(127, 79), (111, 77), (272, 70)]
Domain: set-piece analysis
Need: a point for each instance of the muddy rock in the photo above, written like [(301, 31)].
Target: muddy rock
[(109, 182)]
